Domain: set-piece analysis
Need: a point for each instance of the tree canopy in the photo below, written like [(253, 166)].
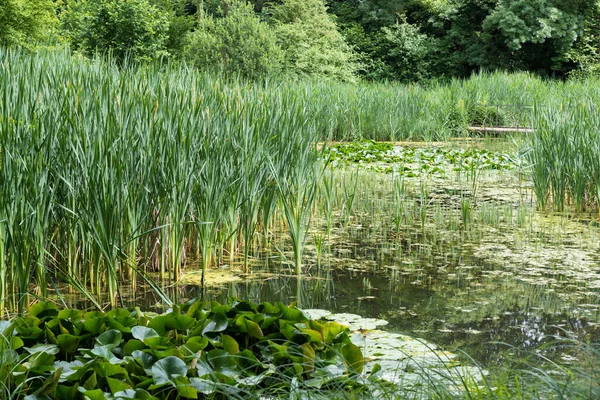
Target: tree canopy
[(404, 40)]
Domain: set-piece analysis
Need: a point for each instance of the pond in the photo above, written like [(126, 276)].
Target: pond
[(445, 244)]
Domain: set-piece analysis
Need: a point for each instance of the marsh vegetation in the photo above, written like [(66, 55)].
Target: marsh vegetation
[(132, 186)]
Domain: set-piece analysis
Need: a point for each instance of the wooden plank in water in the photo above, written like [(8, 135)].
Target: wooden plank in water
[(500, 129)]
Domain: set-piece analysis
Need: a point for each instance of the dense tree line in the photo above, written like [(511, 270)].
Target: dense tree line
[(404, 40)]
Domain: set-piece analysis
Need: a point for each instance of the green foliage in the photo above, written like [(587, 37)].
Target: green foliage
[(197, 350), (127, 28), (409, 51), (236, 43), (311, 42), (25, 21)]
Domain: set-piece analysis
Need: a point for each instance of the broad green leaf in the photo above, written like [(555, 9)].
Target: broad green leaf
[(43, 310), (142, 333), (116, 385), (230, 345), (42, 348), (353, 357), (218, 323), (94, 325), (180, 323), (203, 386), (166, 370), (111, 339), (95, 394), (222, 362), (133, 345), (308, 357), (68, 343)]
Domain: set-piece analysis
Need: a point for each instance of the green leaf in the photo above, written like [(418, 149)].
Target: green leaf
[(95, 394), (94, 325), (111, 339), (230, 345), (166, 370), (203, 386), (353, 357), (222, 362), (142, 333), (68, 343), (43, 310), (116, 385), (180, 323), (218, 323)]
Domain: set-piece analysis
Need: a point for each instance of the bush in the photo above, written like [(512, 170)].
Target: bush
[(237, 43), (311, 41), (125, 28), (23, 21)]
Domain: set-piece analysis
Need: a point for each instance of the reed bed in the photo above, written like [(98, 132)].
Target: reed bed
[(109, 174), (565, 155)]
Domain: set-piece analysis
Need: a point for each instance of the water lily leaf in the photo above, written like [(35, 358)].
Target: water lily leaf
[(222, 362), (133, 345), (94, 325), (196, 343), (41, 362), (111, 338), (203, 386), (166, 370), (68, 343), (247, 326), (271, 310), (91, 382), (43, 310), (8, 356), (157, 342), (134, 394), (230, 345), (308, 357), (331, 330), (142, 333), (122, 325), (106, 353), (180, 323), (70, 313), (291, 314), (28, 328), (353, 357), (106, 370), (218, 323), (146, 360), (245, 306), (6, 328), (247, 361), (42, 348), (116, 385), (184, 389), (49, 385), (95, 394)]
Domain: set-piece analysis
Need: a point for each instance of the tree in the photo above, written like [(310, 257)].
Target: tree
[(311, 41), (235, 42), (125, 28), (24, 21)]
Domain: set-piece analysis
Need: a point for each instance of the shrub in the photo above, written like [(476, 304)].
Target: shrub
[(23, 21), (125, 28), (236, 42)]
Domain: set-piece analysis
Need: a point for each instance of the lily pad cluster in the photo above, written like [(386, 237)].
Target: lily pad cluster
[(413, 161), (197, 350)]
